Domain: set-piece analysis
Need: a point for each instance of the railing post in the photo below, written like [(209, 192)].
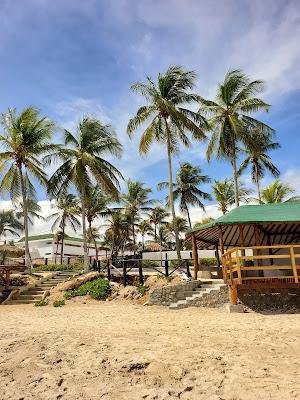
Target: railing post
[(124, 273), (108, 270), (238, 264), (230, 268), (293, 263), (188, 269), (141, 272)]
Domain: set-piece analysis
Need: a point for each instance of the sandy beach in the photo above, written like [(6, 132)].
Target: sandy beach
[(114, 350)]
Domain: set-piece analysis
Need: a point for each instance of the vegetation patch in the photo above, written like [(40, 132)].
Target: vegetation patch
[(41, 303), (58, 267), (59, 303), (98, 289), (142, 289)]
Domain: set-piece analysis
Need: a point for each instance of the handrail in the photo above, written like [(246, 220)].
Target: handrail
[(235, 267)]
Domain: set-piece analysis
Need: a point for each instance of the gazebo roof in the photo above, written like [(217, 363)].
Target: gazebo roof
[(279, 221)]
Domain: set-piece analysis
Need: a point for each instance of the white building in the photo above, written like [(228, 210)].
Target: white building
[(45, 246)]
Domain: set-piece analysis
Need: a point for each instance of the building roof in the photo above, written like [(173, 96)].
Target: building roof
[(51, 236), (279, 221)]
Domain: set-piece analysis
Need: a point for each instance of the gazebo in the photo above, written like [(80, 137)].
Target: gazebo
[(7, 266), (259, 246)]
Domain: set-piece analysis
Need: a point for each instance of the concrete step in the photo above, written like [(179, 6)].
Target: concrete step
[(21, 302), (34, 291), (30, 297)]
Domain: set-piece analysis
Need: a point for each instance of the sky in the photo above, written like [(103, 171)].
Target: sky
[(72, 58)]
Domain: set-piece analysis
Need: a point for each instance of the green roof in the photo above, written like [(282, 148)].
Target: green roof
[(251, 214), (51, 236)]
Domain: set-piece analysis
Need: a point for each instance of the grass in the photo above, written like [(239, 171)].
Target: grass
[(98, 289), (58, 303), (41, 303)]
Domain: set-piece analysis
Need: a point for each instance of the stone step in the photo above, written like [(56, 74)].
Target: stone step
[(30, 297), (21, 302), (35, 291)]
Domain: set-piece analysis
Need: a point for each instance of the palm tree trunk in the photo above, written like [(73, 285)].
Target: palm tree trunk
[(85, 250), (143, 241), (258, 188), (188, 215), (171, 197), (62, 242), (235, 179), (133, 236), (25, 211), (57, 243), (155, 232)]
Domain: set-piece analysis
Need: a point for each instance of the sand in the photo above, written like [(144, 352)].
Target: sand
[(111, 350)]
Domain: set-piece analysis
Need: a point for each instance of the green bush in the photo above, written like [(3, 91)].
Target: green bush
[(142, 289), (58, 267), (98, 289), (41, 303), (58, 303), (150, 264)]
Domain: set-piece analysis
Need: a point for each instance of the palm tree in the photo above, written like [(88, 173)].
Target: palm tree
[(26, 138), (68, 207), (9, 224), (96, 206), (204, 221), (145, 228), (257, 147), (186, 188), (83, 161), (230, 120), (169, 119), (134, 201), (34, 210), (116, 235), (92, 236), (157, 216), (277, 192), (57, 237), (182, 225), (224, 193)]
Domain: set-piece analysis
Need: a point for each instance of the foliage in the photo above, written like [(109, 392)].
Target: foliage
[(41, 303), (204, 221), (98, 289), (9, 223), (142, 289), (223, 192), (59, 303), (278, 192), (157, 217), (58, 267), (186, 188), (150, 264)]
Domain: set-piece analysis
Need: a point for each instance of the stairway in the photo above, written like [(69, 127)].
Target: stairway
[(205, 289), (37, 293)]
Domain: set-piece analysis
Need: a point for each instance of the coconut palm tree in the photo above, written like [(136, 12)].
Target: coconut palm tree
[(169, 119), (57, 237), (278, 192), (257, 146), (9, 223), (182, 225), (224, 194), (116, 236), (82, 162), (92, 236), (67, 212), (27, 137), (134, 201), (230, 120), (204, 221), (145, 228), (186, 188), (34, 210), (157, 217), (96, 206)]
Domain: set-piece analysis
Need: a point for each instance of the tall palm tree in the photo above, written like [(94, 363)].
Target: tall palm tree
[(224, 193), (9, 223), (145, 228), (230, 120), (34, 210), (92, 236), (169, 119), (68, 209), (257, 146), (116, 235), (96, 206), (57, 237), (83, 162), (157, 217), (135, 200), (278, 192), (27, 137), (186, 188), (182, 225)]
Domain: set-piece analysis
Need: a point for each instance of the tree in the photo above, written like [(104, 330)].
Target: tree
[(57, 237), (68, 210), (181, 223), (96, 206), (33, 210), (204, 221), (230, 120), (224, 194), (134, 201), (157, 217), (83, 162), (145, 228), (277, 192), (92, 236), (9, 224), (257, 146), (186, 188), (27, 137), (169, 119), (116, 235)]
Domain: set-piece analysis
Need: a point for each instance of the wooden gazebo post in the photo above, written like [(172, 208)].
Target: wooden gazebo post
[(195, 256)]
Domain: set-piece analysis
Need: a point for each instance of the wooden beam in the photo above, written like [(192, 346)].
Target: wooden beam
[(233, 294), (294, 266), (195, 256)]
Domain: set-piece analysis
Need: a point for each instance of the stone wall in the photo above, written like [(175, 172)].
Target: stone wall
[(171, 294), (263, 299), (213, 299)]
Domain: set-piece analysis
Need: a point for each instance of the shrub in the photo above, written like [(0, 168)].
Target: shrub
[(58, 267), (41, 303), (142, 289), (98, 289), (58, 303), (150, 264)]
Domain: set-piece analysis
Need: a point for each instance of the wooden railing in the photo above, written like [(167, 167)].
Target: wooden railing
[(239, 267)]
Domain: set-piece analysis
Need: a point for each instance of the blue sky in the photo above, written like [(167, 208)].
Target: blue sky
[(72, 57)]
